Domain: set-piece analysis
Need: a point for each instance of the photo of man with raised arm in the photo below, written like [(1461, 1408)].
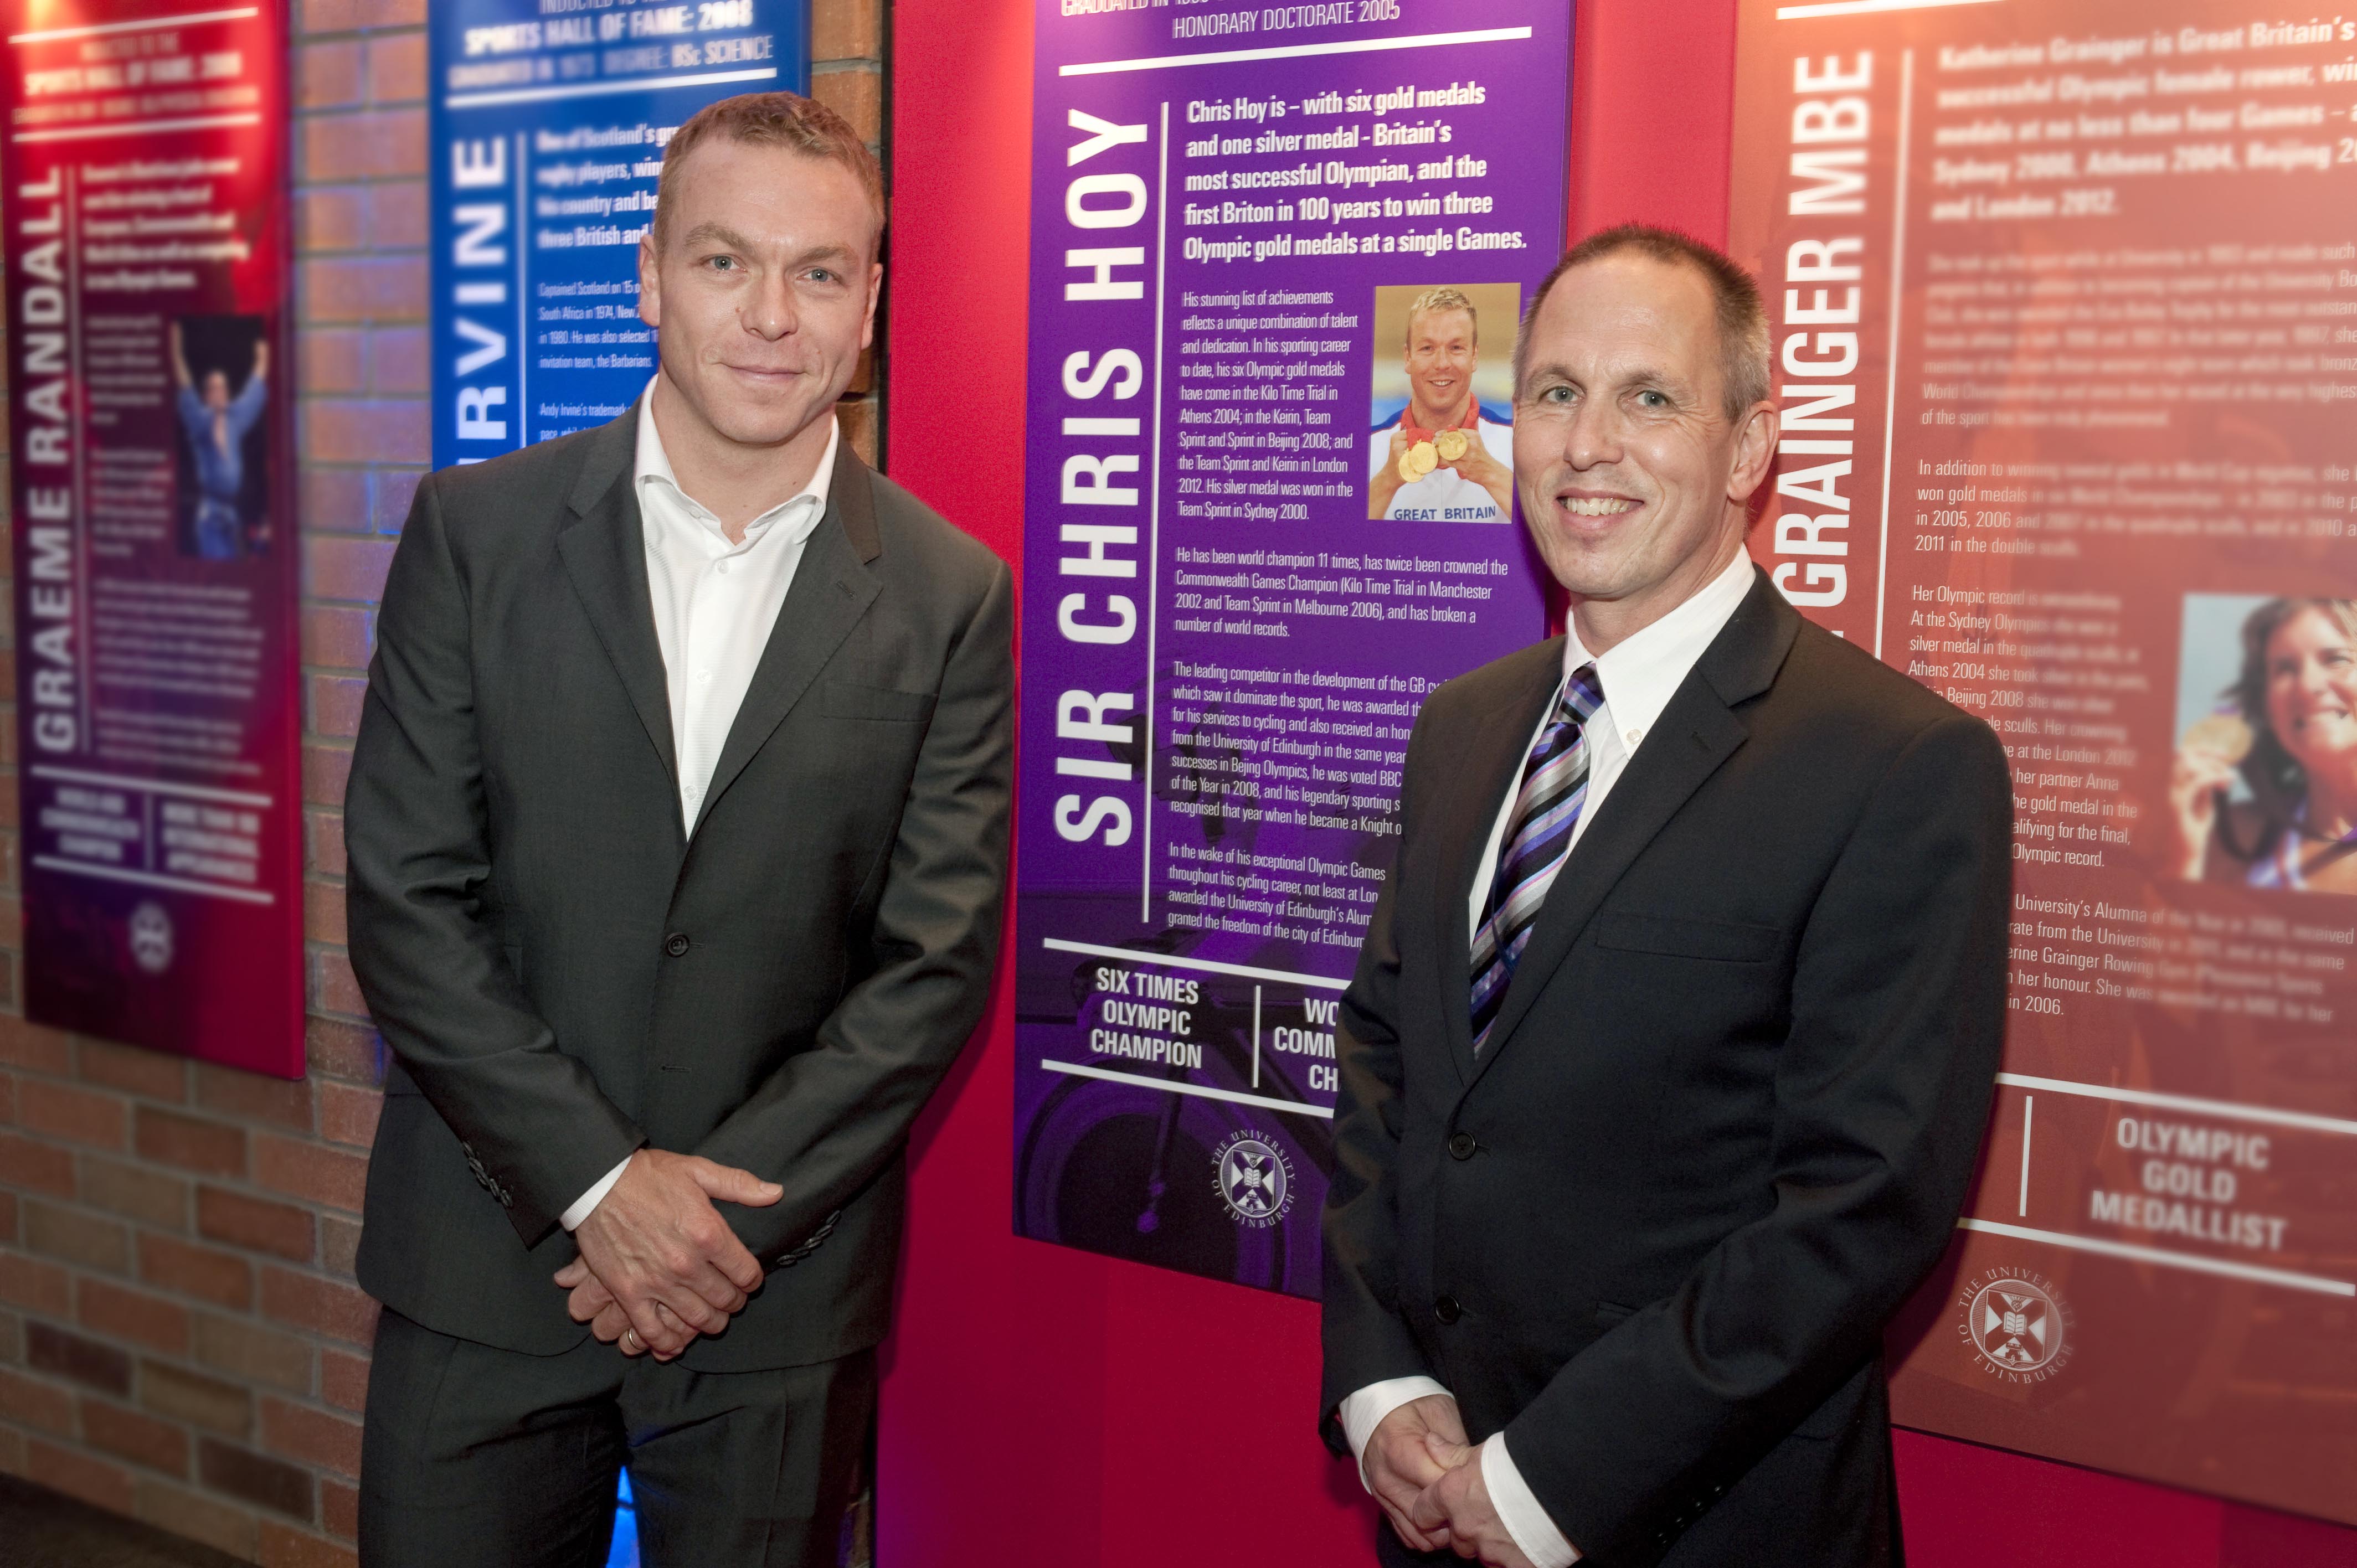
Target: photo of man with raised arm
[(677, 830), (1673, 1035)]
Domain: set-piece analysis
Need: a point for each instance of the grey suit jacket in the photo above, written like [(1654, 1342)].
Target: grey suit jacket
[(562, 974)]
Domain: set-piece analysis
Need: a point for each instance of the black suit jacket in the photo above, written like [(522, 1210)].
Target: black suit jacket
[(563, 974), (1728, 1111)]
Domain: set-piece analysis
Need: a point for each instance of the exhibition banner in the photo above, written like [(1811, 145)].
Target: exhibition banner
[(548, 123), (157, 715), (1278, 257), (2065, 298)]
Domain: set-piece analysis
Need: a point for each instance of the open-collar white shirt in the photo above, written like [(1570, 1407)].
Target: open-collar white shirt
[(1637, 675), (715, 604)]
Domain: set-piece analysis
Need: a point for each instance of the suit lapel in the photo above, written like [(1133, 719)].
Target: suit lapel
[(832, 590), (1695, 733), (1489, 766), (603, 546)]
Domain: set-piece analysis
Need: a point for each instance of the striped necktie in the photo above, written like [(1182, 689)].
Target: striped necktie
[(1538, 835)]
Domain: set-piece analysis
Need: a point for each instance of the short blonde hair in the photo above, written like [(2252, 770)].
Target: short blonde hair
[(1433, 299), (770, 120)]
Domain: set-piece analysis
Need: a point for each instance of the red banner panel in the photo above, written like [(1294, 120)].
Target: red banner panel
[(2065, 308), (149, 419)]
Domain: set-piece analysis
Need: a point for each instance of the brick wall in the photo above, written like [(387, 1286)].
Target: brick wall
[(180, 1338)]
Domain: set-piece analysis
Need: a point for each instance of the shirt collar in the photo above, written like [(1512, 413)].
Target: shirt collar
[(1643, 672), (653, 465)]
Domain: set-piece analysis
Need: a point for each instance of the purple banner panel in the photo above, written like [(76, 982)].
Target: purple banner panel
[(1279, 261), (157, 723)]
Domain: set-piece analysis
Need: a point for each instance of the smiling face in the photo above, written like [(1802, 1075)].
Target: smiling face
[(2311, 676), (762, 290), (1442, 355), (1632, 476)]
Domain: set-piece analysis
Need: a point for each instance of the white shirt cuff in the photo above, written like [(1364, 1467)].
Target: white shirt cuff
[(582, 1206), (1519, 1510), (1363, 1411)]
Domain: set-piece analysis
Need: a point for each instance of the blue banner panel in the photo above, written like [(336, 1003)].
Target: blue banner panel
[(549, 120)]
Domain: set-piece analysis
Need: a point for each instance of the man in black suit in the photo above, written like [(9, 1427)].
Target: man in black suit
[(1671, 1041), (677, 827)]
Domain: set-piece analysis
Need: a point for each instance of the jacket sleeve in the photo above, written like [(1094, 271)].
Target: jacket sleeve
[(1882, 1093), (829, 1118), (1365, 1339), (417, 834)]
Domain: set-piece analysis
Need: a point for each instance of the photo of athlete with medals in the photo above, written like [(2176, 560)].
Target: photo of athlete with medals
[(1441, 450)]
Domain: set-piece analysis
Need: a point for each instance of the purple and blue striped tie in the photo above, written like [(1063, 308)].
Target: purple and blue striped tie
[(1554, 789)]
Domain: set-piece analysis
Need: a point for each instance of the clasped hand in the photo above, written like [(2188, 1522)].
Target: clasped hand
[(1428, 1479), (658, 1264)]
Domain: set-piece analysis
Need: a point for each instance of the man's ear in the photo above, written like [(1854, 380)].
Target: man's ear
[(874, 291), (650, 280), (1755, 451)]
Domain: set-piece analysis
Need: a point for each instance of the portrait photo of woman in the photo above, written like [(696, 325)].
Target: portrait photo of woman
[(2262, 791)]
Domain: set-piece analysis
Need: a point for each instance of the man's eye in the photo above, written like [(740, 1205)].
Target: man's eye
[(1653, 400), (820, 274), (1555, 395), (721, 263)]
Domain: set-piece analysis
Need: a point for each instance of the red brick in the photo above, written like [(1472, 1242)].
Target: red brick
[(323, 913), (343, 1380), (72, 1236), (846, 29), (34, 1045), (310, 1171), (348, 1115), (35, 1286), (326, 766), (328, 76), (858, 421), (374, 144), (339, 1509), (346, 1050), (254, 1097), (7, 1099), (334, 703), (209, 1148), (255, 1223), (334, 988), (196, 1399), (253, 1354), (335, 359), (335, 500), (395, 489), (285, 1547), (340, 1246), (12, 1452), (131, 1315), (329, 218), (7, 1218), (12, 921), (324, 1306), (79, 1115), (78, 1358), (225, 1526), (269, 1483), (137, 1193), (857, 95), (99, 1482), (350, 15), (397, 216), (222, 1278), (142, 1439), (337, 637), (311, 1436), (360, 430), (132, 1070), (323, 845), (32, 1401), (400, 361), (396, 68), (364, 288), (39, 1168), (340, 568)]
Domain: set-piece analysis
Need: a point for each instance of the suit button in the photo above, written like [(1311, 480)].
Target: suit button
[(676, 944), (1446, 1309), (1461, 1146)]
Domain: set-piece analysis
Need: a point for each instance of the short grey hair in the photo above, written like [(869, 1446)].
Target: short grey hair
[(1742, 318)]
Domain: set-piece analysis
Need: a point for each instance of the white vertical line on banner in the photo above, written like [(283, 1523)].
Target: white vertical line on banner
[(70, 215), (1154, 527), (1255, 1036), (2028, 1104), (523, 307), (1891, 372)]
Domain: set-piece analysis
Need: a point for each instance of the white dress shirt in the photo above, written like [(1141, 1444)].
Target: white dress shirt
[(715, 604), (1637, 675)]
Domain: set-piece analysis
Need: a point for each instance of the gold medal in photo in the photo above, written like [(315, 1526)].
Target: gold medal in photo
[(1451, 445), (1416, 462), (2226, 733)]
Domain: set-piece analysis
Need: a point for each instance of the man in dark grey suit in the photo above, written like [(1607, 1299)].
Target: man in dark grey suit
[(677, 827), (1673, 1035)]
